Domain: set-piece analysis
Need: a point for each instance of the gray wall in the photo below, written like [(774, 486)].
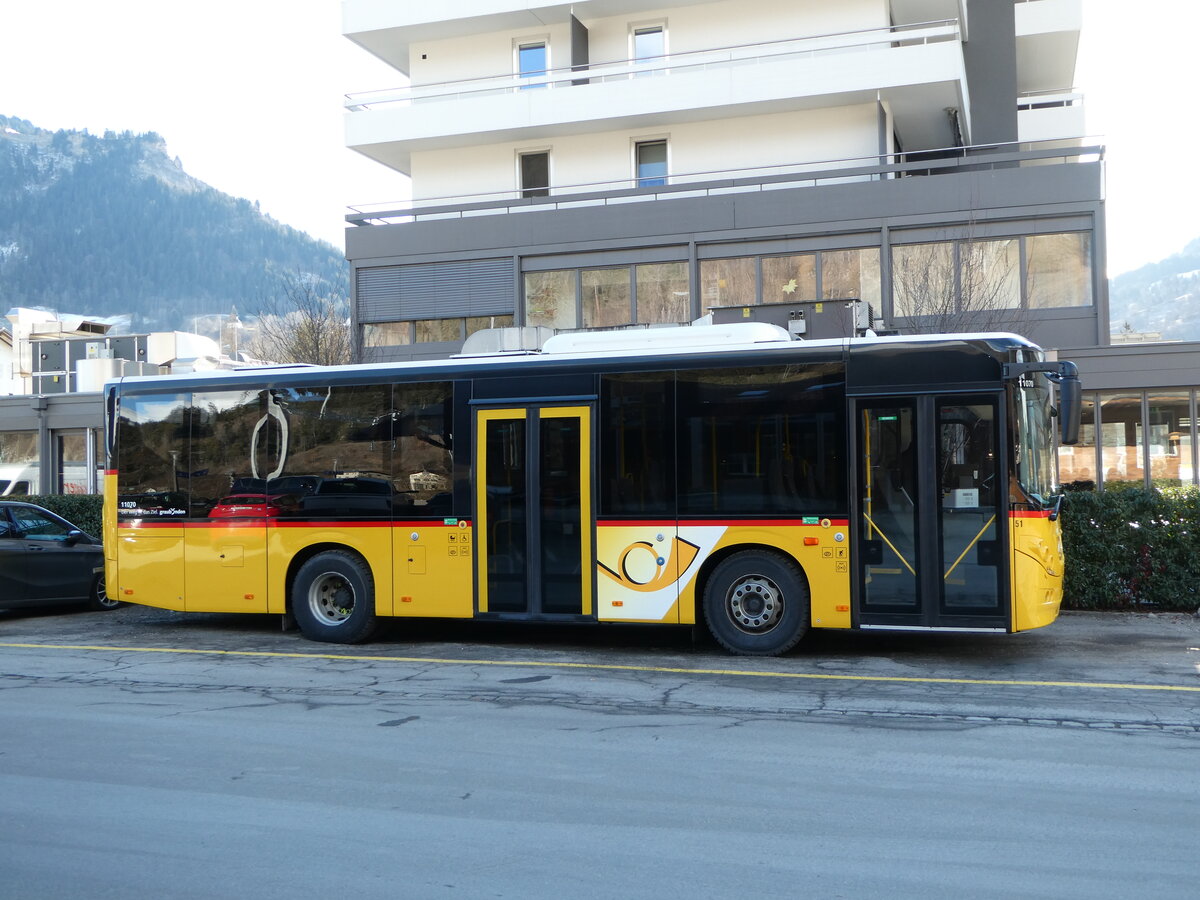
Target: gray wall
[(990, 58), (967, 202)]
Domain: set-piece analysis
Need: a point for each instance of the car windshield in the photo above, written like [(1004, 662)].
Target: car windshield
[(1035, 437)]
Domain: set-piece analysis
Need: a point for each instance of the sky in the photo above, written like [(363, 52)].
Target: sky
[(248, 94)]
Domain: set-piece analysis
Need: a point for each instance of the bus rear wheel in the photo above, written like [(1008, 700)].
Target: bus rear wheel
[(333, 598), (756, 603)]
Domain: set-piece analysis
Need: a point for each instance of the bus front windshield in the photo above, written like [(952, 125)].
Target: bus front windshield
[(1034, 438)]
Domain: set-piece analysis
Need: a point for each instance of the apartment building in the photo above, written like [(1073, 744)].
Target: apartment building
[(613, 163)]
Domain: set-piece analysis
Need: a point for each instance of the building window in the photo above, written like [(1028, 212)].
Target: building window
[(18, 463), (1058, 270), (435, 331), (662, 293), (1077, 463), (532, 61), (479, 323), (535, 174), (850, 275), (387, 334), (1121, 438), (1170, 421), (550, 299), (989, 274), (650, 160), (787, 279), (728, 282), (923, 279), (607, 297), (649, 43)]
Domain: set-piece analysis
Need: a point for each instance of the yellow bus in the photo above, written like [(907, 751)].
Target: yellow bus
[(725, 475)]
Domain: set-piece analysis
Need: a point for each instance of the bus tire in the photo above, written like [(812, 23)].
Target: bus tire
[(333, 598), (756, 603)]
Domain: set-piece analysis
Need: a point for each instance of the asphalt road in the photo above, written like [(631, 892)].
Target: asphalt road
[(146, 753)]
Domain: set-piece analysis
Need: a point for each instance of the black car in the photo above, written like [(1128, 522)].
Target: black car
[(44, 559)]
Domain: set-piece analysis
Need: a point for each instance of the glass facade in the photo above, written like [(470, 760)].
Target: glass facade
[(607, 297), (662, 293), (949, 277), (1133, 438), (728, 282), (786, 279), (550, 299), (18, 463), (1058, 270)]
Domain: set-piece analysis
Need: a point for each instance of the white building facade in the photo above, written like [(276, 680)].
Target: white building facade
[(614, 162), (610, 163)]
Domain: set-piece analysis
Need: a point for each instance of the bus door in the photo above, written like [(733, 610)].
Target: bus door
[(533, 512), (930, 510)]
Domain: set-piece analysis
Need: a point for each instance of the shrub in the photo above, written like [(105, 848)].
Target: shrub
[(1132, 549), (85, 511)]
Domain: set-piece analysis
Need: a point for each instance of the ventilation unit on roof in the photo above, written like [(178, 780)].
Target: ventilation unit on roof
[(808, 319)]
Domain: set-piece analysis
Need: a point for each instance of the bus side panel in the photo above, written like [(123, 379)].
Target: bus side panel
[(433, 570), (824, 558), (226, 566), (370, 540), (1037, 569), (150, 567), (638, 568), (108, 532)]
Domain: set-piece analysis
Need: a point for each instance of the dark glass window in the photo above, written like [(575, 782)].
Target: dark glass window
[(766, 440), (330, 448), (152, 447), (535, 174), (651, 163), (422, 426), (223, 472), (637, 445)]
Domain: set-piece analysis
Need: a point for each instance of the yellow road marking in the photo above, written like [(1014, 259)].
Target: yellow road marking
[(613, 667)]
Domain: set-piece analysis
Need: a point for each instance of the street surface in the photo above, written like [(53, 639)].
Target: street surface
[(152, 754)]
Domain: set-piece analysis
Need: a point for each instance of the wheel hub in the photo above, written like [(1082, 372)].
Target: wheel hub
[(331, 598), (755, 604)]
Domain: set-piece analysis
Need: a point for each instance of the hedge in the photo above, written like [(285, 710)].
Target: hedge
[(1132, 549), (82, 510)]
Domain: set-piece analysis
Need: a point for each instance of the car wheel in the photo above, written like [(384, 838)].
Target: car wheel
[(756, 603), (99, 598), (333, 598)]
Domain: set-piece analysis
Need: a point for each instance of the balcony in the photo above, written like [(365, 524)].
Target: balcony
[(388, 29), (917, 69), (1050, 116), (948, 161), (1047, 43)]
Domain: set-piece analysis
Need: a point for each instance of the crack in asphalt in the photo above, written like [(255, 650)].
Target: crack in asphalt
[(819, 706)]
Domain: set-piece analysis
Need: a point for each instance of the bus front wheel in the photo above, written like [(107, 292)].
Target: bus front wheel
[(333, 598), (756, 603)]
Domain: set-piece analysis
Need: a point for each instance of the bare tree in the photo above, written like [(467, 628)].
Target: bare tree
[(303, 324), (957, 286)]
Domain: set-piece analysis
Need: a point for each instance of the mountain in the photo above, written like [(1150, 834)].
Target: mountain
[(112, 225), (1161, 297)]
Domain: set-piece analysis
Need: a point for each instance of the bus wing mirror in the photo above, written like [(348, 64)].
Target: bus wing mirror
[(1069, 405), (1070, 402)]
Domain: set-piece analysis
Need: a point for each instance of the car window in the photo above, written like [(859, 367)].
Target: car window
[(6, 527), (33, 525)]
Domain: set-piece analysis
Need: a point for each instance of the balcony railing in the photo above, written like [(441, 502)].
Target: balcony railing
[(698, 60), (731, 181), (1048, 99)]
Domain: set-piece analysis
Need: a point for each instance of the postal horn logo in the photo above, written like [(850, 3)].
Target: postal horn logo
[(633, 565)]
